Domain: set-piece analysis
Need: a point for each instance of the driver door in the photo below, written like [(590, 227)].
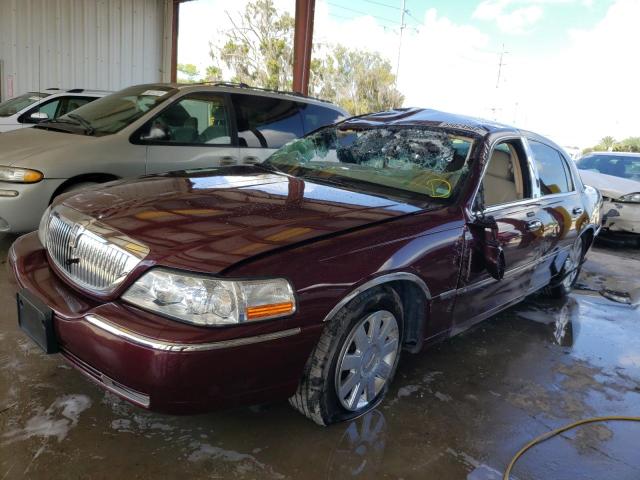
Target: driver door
[(505, 193), (196, 131)]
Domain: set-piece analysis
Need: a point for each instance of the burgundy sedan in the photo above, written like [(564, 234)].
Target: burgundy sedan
[(307, 276)]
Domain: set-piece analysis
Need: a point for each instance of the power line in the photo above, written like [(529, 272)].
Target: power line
[(363, 13), (383, 4)]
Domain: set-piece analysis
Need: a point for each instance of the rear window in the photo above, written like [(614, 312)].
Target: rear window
[(552, 169), (265, 121), (315, 116)]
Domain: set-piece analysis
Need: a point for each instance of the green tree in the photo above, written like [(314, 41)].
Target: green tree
[(630, 144), (605, 144), (258, 50), (188, 70)]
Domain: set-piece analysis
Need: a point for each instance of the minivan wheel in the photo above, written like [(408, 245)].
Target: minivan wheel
[(354, 362), (570, 271)]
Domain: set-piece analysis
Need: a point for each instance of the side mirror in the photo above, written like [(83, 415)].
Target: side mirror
[(493, 254), (38, 117)]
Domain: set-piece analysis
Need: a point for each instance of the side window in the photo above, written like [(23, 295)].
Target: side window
[(265, 121), (49, 108), (196, 119), (315, 116), (506, 178), (69, 104), (552, 169)]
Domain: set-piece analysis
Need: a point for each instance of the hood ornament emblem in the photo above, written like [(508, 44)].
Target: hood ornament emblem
[(74, 237)]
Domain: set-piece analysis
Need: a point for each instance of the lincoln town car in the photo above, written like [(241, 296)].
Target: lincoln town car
[(305, 277)]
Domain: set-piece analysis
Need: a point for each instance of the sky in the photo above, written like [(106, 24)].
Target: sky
[(569, 71)]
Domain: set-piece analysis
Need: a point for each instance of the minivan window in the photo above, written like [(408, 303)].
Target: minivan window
[(265, 121), (196, 119), (114, 112), (552, 169), (315, 116), (409, 162), (15, 105)]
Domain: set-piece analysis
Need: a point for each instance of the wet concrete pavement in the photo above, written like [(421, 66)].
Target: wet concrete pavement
[(457, 411)]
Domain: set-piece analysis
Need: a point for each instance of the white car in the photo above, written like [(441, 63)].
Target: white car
[(35, 107), (147, 129), (617, 176)]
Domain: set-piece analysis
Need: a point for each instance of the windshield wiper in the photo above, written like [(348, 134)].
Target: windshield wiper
[(87, 126)]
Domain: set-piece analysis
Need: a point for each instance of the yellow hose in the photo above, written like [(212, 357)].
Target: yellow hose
[(553, 433)]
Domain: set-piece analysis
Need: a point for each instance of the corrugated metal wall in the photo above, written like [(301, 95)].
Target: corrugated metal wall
[(98, 44)]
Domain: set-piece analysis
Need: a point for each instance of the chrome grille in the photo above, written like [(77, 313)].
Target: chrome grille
[(89, 254)]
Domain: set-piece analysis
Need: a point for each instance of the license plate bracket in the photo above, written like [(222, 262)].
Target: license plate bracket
[(36, 320)]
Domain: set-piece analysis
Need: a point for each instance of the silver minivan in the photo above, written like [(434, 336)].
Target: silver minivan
[(148, 129), (32, 108)]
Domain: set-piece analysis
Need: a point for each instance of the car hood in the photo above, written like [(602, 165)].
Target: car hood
[(19, 145), (609, 185), (209, 220)]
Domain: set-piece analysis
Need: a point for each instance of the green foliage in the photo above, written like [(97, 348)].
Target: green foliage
[(188, 70), (258, 50), (630, 144)]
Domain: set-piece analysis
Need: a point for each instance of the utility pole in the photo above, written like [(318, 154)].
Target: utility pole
[(402, 26), (500, 65)]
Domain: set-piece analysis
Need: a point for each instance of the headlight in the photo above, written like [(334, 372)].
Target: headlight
[(631, 198), (19, 175), (206, 301), (43, 228)]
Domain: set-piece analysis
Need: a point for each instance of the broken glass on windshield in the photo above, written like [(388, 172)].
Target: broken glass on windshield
[(413, 159)]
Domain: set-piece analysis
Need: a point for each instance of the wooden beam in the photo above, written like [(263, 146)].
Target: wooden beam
[(302, 42)]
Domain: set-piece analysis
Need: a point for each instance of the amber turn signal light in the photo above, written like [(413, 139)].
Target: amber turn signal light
[(265, 311)]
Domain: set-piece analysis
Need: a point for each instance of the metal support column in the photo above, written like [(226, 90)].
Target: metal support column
[(305, 11)]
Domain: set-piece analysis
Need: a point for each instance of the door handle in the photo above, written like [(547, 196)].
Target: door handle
[(228, 160), (251, 160), (578, 211), (533, 225)]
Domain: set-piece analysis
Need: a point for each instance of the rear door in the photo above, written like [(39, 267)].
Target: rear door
[(561, 209), (264, 125), (196, 131), (506, 193)]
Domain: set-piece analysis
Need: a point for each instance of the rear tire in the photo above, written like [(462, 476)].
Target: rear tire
[(562, 285), (353, 364)]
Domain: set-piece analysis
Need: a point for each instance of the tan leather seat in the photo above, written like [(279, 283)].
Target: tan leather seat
[(499, 183)]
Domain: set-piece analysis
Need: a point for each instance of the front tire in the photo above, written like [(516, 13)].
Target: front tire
[(570, 271), (355, 360)]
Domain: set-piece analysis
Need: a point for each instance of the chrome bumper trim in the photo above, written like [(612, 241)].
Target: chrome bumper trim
[(102, 323)]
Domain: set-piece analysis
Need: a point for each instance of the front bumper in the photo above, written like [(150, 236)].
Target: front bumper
[(22, 212), (621, 217), (162, 364)]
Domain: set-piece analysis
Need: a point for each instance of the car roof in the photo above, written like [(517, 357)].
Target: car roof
[(82, 91), (437, 118), (244, 88), (427, 117)]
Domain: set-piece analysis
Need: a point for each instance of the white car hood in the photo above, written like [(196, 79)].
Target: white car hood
[(609, 185), (19, 145)]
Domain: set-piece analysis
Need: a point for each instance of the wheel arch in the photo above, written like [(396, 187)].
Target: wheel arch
[(415, 296), (85, 177)]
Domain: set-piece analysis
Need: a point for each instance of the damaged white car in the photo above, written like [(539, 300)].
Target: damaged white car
[(617, 176)]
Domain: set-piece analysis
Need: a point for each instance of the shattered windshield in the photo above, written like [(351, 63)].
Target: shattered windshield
[(416, 160)]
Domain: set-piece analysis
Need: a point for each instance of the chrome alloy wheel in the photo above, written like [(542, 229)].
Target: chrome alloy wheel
[(572, 263), (367, 359)]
